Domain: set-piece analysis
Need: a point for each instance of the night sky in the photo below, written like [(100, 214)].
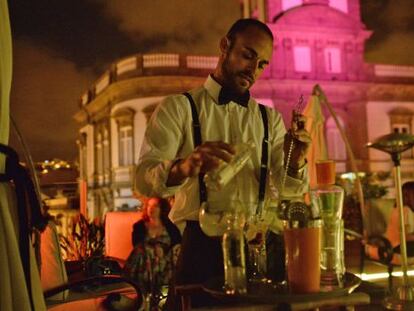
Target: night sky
[(61, 47)]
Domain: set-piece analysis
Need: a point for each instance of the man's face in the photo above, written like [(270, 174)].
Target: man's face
[(245, 59)]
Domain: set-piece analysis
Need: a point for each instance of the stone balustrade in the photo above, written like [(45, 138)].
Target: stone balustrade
[(141, 65)]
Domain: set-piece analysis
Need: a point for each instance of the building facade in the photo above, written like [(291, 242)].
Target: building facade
[(316, 42)]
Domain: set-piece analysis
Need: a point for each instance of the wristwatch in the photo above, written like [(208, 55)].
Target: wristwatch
[(297, 172)]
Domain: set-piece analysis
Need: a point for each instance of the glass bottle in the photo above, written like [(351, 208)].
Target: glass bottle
[(217, 179), (328, 198), (212, 213), (234, 256)]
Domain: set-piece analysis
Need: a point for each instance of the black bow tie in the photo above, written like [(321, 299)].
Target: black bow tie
[(226, 96)]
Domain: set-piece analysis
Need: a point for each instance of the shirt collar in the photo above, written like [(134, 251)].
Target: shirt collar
[(213, 88)]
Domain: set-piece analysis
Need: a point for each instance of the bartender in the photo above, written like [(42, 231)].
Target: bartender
[(191, 134)]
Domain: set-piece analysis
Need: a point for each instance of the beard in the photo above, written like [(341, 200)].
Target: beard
[(230, 75)]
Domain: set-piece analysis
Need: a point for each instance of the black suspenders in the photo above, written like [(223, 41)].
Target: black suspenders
[(197, 142), (264, 159)]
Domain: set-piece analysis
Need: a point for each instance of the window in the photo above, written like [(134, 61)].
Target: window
[(403, 128), (124, 118), (401, 120), (336, 146), (341, 5), (302, 58), (125, 145), (106, 156), (288, 4), (332, 60), (99, 155), (83, 156)]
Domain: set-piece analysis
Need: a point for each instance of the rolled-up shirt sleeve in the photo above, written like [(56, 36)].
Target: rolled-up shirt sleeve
[(160, 148)]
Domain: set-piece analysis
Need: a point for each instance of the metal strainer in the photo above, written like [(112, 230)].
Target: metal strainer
[(298, 214)]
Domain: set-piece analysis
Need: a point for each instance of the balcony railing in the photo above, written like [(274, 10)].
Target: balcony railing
[(138, 64), (123, 175), (394, 71)]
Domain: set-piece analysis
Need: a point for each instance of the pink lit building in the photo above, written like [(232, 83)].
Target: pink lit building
[(317, 42)]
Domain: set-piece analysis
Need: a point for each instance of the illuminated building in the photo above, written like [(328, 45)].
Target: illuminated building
[(317, 42)]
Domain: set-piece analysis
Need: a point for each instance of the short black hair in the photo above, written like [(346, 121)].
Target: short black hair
[(242, 24)]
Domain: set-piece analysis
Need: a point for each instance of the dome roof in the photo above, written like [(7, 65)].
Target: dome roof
[(311, 15)]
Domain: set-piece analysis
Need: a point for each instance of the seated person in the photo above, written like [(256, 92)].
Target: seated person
[(393, 228), (156, 242)]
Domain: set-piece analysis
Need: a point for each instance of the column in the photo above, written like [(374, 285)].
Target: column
[(246, 8), (261, 10)]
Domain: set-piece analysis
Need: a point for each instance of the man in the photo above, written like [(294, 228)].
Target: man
[(170, 164)]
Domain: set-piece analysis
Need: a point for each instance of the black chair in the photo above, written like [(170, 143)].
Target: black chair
[(384, 252), (374, 246)]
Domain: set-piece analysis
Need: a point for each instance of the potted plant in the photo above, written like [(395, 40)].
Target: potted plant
[(85, 240)]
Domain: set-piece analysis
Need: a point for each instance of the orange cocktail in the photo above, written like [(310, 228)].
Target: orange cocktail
[(302, 247)]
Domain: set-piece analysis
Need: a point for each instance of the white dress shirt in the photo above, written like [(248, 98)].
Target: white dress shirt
[(169, 136)]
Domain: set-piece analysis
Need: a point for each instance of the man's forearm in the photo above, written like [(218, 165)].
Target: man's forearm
[(176, 175)]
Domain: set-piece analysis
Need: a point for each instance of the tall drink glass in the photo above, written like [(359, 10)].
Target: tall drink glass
[(302, 245), (256, 229)]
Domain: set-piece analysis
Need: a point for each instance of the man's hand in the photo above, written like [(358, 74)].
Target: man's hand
[(204, 158), (301, 141)]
